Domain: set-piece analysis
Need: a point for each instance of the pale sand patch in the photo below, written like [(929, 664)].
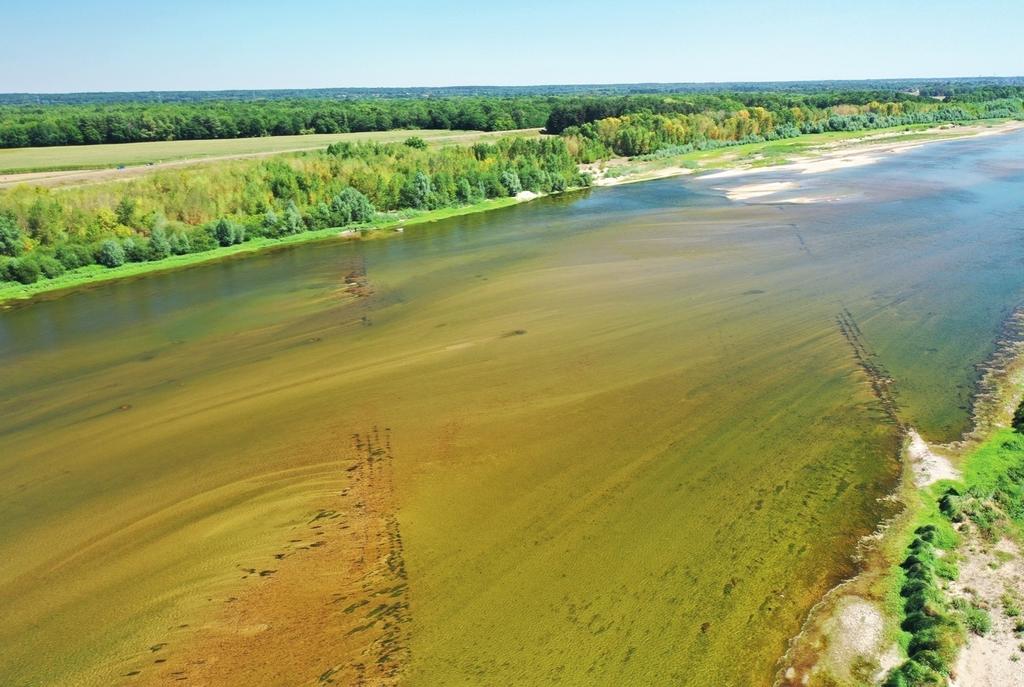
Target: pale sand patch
[(996, 659), (838, 155), (663, 173), (857, 648), (524, 196), (758, 190), (805, 200), (830, 164), (929, 467), (861, 629)]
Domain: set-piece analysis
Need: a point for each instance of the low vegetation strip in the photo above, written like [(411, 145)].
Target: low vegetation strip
[(982, 515)]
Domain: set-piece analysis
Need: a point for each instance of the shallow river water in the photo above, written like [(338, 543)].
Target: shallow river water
[(631, 443)]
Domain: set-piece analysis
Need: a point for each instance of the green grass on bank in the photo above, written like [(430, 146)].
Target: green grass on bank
[(61, 158), (990, 497), (97, 274)]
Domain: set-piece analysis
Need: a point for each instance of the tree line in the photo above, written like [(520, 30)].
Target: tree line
[(676, 132), (32, 126), (933, 86), (785, 108), (82, 119), (44, 233)]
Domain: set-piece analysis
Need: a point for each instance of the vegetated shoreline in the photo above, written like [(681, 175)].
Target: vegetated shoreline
[(13, 294), (613, 173), (858, 633), (860, 149)]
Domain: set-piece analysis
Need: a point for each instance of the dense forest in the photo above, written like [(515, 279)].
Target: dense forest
[(28, 126), (82, 119), (44, 233), (642, 125)]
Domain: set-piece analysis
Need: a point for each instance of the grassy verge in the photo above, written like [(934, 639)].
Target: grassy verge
[(96, 274), (988, 501)]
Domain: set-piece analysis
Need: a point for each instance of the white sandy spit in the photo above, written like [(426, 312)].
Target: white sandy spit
[(758, 190), (663, 173), (929, 467)]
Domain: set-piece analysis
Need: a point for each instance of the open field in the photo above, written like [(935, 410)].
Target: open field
[(61, 164)]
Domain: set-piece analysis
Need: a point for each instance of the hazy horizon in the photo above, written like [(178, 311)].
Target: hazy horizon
[(56, 46), (577, 84)]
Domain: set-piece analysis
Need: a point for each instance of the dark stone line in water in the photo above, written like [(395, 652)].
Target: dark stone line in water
[(881, 382)]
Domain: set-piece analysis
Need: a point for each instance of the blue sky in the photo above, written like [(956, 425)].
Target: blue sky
[(65, 45)]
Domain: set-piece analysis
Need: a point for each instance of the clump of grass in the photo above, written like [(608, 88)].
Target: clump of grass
[(972, 505), (976, 619), (1011, 605)]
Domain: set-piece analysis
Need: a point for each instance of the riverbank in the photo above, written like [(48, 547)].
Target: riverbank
[(939, 596), (808, 154), (390, 223), (812, 153)]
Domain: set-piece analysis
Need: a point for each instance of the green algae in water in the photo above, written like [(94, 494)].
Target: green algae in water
[(652, 483)]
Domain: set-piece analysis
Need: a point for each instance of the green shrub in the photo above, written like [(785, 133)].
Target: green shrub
[(224, 232), (350, 206), (180, 243), (137, 249), (12, 240), (977, 620), (24, 270), (110, 253), (49, 266), (73, 255), (511, 183), (159, 244), (914, 674), (200, 241)]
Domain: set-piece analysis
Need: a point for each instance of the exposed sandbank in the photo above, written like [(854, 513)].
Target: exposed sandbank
[(839, 155), (929, 467)]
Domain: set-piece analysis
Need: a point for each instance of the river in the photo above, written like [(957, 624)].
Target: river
[(628, 441)]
